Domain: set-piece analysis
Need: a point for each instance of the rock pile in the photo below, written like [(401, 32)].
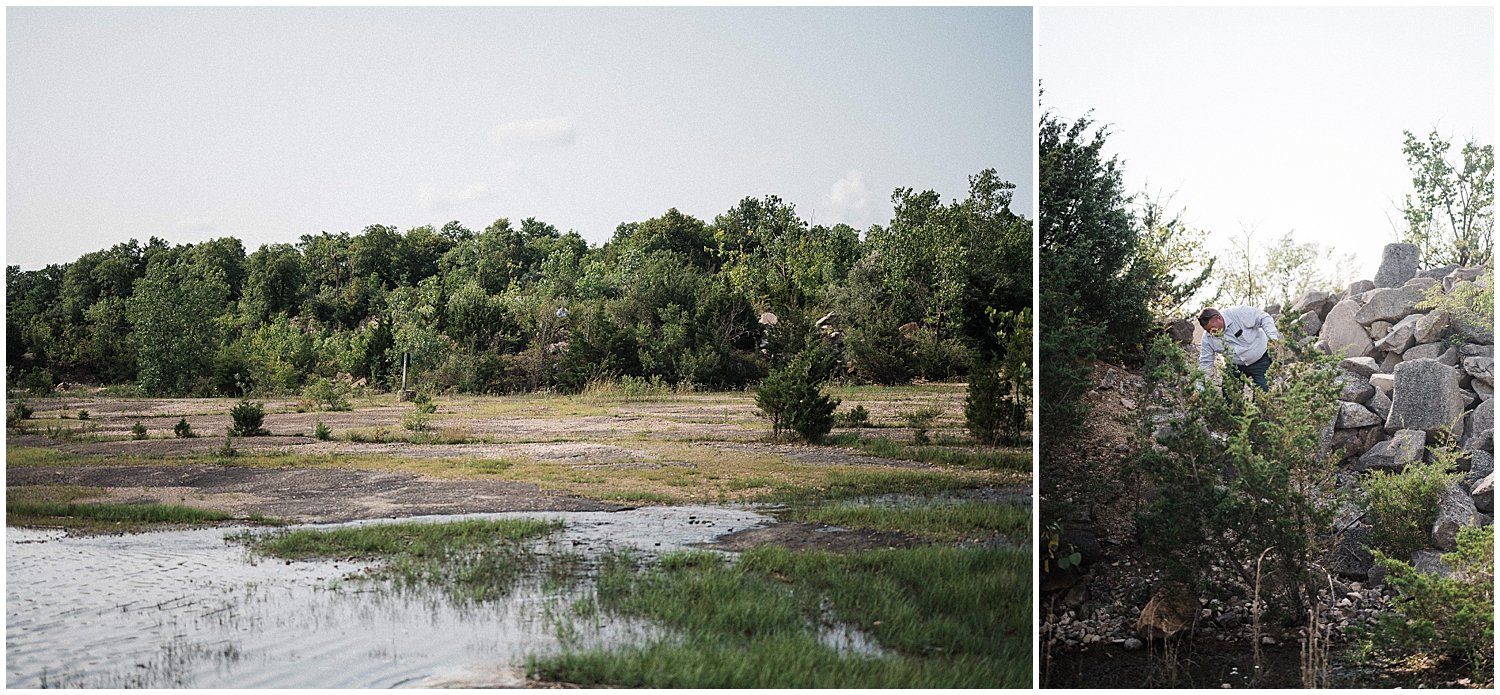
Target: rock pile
[(1411, 376)]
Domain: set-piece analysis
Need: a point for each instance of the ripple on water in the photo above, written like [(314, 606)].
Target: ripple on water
[(190, 609)]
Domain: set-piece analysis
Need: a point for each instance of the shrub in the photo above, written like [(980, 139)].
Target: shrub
[(983, 411), (853, 417), (416, 421), (138, 431), (183, 430), (791, 398), (247, 418), (920, 420), (21, 411), (83, 415), (327, 394), (322, 432), (1402, 506), (1446, 615), (423, 403)]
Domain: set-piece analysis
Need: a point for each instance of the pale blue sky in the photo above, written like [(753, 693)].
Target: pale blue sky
[(1274, 119), (270, 123)]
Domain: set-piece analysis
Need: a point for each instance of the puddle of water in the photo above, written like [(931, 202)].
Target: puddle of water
[(190, 609)]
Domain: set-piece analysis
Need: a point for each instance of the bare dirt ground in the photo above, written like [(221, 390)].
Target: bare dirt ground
[(526, 453)]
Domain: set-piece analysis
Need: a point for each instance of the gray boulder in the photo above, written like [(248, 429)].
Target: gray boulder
[(1360, 366), (1481, 368), (1400, 336), (1431, 325), (1455, 511), (1398, 263), (1356, 389), (1353, 443), (1460, 275), (1429, 561), (1449, 358), (1483, 390), (1389, 360), (1483, 494), (1351, 556), (1477, 422), (1309, 323), (1315, 301), (1425, 351), (1437, 273), (1359, 287), (1379, 330), (1476, 350), (1344, 334), (1481, 464), (1354, 415), (1381, 404), (1383, 382), (1389, 304), (1426, 397), (1395, 453)]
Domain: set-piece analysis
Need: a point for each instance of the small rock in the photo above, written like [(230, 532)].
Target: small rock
[(1133, 644)]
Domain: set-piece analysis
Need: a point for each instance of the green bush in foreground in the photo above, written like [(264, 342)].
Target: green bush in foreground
[(792, 399), (247, 419), (1440, 616), (183, 430), (138, 431), (1402, 506)]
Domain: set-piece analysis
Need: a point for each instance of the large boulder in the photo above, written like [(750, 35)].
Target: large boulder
[(1476, 350), (1430, 326), (1455, 511), (1481, 368), (1437, 273), (1353, 443), (1477, 422), (1398, 263), (1425, 351), (1315, 301), (1400, 336), (1308, 323), (1354, 415), (1356, 389), (1395, 453), (1360, 366), (1358, 288), (1426, 397), (1389, 304), (1380, 402), (1351, 556), (1343, 333), (1484, 494), (1181, 331), (1172, 610)]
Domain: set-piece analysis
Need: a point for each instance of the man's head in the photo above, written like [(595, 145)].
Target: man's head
[(1212, 321)]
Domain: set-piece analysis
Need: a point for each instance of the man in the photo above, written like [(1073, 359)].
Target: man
[(1244, 335)]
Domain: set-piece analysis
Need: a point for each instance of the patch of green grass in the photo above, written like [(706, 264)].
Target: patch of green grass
[(940, 522), (952, 618), (1000, 459), (637, 496), (867, 482), (100, 516), (471, 561)]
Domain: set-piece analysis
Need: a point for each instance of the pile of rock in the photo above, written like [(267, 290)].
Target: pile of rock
[(1411, 375)]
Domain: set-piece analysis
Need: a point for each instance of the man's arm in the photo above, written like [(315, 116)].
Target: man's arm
[(1206, 356), (1268, 324)]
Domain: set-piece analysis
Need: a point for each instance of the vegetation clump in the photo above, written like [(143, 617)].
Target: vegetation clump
[(322, 432), (138, 431), (327, 395), (792, 399), (247, 418), (1401, 506), (920, 420), (183, 430), (1445, 614)]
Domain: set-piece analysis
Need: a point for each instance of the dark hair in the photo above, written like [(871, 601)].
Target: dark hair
[(1207, 315)]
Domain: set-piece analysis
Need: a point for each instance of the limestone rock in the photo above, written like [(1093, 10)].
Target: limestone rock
[(1400, 336), (1484, 494), (1383, 382), (1425, 351), (1172, 610), (1354, 415), (1398, 263), (1455, 511), (1361, 366), (1394, 454), (1344, 334), (1426, 397), (1389, 304)]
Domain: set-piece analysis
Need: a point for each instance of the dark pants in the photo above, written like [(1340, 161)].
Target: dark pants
[(1257, 370)]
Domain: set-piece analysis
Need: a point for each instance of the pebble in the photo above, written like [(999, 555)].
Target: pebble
[(1133, 644)]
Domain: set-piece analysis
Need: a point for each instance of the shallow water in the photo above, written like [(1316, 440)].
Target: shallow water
[(191, 609)]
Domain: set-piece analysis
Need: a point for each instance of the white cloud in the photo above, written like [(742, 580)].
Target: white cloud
[(555, 131), (849, 199), (432, 199)]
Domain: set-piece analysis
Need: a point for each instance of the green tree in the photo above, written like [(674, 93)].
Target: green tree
[(1177, 255), (171, 313), (275, 281), (1450, 213), (1279, 272)]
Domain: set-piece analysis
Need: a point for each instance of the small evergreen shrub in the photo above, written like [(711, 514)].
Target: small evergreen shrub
[(327, 394), (83, 415), (416, 421), (920, 420), (183, 430), (982, 408), (792, 399), (137, 431), (1445, 616), (21, 411), (853, 417), (321, 432), (247, 419), (423, 403), (1402, 506)]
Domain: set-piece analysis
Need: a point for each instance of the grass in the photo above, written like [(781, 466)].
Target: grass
[(949, 617), (472, 561), (943, 522), (59, 506), (999, 459)]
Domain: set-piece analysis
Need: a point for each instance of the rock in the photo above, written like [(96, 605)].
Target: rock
[(1477, 350), (1481, 368), (1437, 273), (1359, 287), (1360, 366), (1379, 330), (1394, 454), (1425, 351), (1483, 390), (1344, 334), (1132, 644), (1481, 419), (1483, 494), (1172, 610), (1383, 382), (1315, 301), (1381, 404), (1273, 309), (1449, 358), (1227, 620), (1389, 304), (1181, 331), (1309, 323), (1353, 443), (1353, 415), (768, 319), (826, 320), (1389, 361), (1456, 510), (1357, 389), (1430, 326), (1429, 561), (1400, 337), (1426, 397), (1460, 275), (1398, 263)]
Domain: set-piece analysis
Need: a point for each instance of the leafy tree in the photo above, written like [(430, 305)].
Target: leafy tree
[(171, 313), (1177, 255), (275, 281), (1279, 272), (1450, 214), (792, 399)]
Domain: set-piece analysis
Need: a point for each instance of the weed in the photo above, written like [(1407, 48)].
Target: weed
[(854, 417), (920, 420), (83, 415), (137, 431), (321, 432)]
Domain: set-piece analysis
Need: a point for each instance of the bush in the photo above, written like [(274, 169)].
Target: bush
[(423, 403), (1402, 506), (183, 430), (1446, 616), (416, 421), (791, 398), (327, 394), (983, 411), (247, 418), (83, 415), (137, 431), (322, 432), (920, 420), (21, 411), (853, 417)]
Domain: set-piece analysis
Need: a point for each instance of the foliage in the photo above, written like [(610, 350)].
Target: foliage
[(1401, 506), (83, 415), (1450, 214), (327, 394), (1177, 255), (857, 416), (138, 431), (1237, 471), (182, 430), (1470, 306), (321, 432), (417, 421), (170, 314), (21, 411), (247, 418), (1446, 615), (999, 395), (920, 420), (1279, 272), (792, 399)]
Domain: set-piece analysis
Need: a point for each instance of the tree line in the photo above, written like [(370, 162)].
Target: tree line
[(523, 307)]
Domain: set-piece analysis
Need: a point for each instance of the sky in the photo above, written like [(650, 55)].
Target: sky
[(269, 123), (1273, 120)]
